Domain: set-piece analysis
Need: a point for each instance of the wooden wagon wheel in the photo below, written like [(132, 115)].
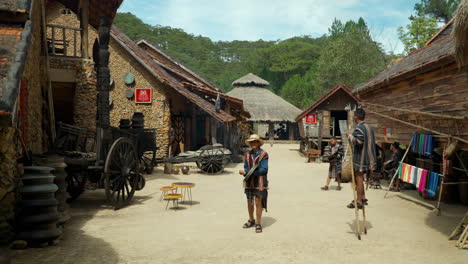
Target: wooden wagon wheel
[(211, 161), (121, 172)]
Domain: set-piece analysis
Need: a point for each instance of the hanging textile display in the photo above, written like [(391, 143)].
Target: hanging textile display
[(422, 144), (425, 181)]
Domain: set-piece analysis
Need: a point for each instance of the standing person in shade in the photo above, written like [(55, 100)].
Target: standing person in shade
[(364, 154), (397, 155), (335, 155), (256, 187)]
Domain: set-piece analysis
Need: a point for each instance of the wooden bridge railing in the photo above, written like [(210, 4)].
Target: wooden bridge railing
[(64, 41)]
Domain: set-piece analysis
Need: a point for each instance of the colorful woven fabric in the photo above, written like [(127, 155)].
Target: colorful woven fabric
[(422, 182), (418, 181), (400, 169), (415, 175), (433, 184)]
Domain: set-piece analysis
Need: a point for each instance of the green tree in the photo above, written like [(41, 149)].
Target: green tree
[(302, 90), (441, 10), (417, 33), (351, 57)]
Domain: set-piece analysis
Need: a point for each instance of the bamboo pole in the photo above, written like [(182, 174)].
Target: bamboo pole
[(420, 127), (419, 112), (353, 182), (396, 172)]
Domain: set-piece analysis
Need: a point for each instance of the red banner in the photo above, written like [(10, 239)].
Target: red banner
[(143, 95), (311, 118)]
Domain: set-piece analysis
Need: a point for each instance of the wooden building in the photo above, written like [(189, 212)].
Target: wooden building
[(321, 121), (425, 92), (271, 116)]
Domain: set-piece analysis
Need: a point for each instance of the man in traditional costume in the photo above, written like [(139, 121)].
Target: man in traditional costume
[(335, 154), (255, 182), (364, 154)]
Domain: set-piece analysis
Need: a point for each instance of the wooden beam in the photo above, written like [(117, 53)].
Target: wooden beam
[(84, 22), (420, 127), (50, 99), (419, 112)]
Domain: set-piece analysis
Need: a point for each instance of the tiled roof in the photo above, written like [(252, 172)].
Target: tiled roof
[(325, 97), (436, 54), (155, 69), (172, 65), (15, 5), (14, 43)]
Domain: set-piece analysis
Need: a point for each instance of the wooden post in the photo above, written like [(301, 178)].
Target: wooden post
[(214, 132), (291, 130), (50, 99), (271, 131), (320, 120), (84, 22)]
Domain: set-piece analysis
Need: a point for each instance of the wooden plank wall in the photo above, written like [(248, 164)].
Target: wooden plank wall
[(443, 91)]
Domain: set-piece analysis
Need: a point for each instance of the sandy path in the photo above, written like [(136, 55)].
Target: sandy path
[(303, 225)]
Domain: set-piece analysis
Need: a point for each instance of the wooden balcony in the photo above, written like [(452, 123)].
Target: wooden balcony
[(64, 41)]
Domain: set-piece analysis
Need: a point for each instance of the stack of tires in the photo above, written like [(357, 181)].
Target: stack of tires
[(38, 215)]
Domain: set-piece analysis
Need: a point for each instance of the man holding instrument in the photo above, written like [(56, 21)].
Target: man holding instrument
[(364, 154), (255, 181)]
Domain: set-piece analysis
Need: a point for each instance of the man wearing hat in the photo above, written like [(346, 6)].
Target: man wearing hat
[(256, 186)]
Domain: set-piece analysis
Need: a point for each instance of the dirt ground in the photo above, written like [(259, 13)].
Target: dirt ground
[(303, 225)]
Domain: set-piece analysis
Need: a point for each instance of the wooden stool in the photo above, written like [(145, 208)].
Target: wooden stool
[(313, 154), (186, 189), (165, 190), (174, 197)]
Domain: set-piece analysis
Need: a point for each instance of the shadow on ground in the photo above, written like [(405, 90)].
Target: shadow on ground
[(352, 225), (267, 221), (450, 214), (75, 246)]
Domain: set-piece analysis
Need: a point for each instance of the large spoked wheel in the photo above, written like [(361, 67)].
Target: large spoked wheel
[(211, 161), (121, 172)]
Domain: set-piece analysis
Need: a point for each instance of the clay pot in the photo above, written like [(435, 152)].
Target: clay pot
[(185, 169)]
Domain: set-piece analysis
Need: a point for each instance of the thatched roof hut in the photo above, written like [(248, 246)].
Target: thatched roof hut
[(460, 34), (250, 80), (262, 104)]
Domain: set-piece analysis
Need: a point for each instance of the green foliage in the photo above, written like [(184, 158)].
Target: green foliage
[(441, 10), (351, 58), (300, 69), (418, 32)]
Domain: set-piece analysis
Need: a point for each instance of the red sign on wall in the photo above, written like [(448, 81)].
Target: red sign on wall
[(143, 95), (311, 118)]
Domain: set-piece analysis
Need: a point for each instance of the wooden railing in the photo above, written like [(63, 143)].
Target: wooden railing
[(64, 41)]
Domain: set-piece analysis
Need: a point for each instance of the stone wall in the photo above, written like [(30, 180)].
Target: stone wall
[(8, 172), (157, 114), (84, 99)]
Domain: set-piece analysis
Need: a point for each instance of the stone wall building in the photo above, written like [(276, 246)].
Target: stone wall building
[(27, 63)]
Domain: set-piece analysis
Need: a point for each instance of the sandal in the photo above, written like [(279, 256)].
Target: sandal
[(395, 189), (249, 224), (324, 188), (351, 205), (338, 188), (258, 228)]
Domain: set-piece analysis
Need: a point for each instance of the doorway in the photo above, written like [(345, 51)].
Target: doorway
[(63, 95), (336, 116)]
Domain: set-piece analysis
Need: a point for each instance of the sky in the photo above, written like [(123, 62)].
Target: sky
[(274, 19)]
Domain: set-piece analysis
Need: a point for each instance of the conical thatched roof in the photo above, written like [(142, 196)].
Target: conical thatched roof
[(263, 105), (250, 80), (460, 34)]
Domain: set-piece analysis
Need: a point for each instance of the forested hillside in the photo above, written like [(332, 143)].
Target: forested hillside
[(300, 69)]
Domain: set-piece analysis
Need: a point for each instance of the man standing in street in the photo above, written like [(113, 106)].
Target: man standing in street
[(364, 154), (256, 186)]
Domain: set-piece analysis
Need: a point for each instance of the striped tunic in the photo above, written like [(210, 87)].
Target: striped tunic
[(336, 154), (364, 153)]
